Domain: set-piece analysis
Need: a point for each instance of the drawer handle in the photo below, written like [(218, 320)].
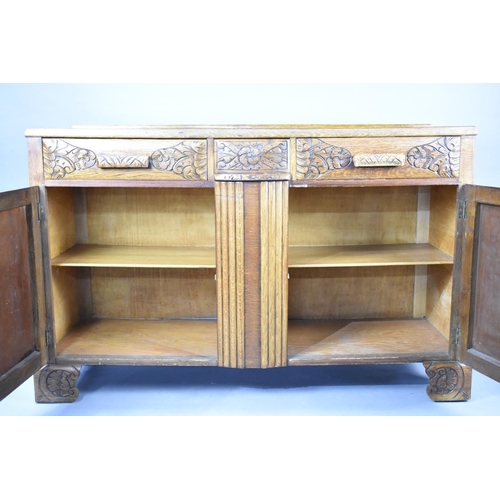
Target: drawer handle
[(380, 160), (106, 161)]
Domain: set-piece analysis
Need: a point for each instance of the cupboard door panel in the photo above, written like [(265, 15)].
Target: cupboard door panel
[(481, 346), (22, 310)]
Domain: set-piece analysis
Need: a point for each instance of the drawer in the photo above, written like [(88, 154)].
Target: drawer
[(125, 159), (435, 158)]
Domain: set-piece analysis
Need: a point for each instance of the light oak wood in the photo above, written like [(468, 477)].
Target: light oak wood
[(66, 300), (188, 339), (351, 292), (61, 220), (366, 255), (442, 223), (326, 342), (364, 268), (142, 293), (410, 157), (439, 289), (136, 256), (151, 217), (257, 131), (76, 159), (352, 216)]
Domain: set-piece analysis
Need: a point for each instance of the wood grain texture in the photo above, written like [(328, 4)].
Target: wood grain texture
[(23, 313), (61, 220), (442, 223), (327, 342), (95, 159), (366, 255), (253, 249), (243, 160), (439, 293), (136, 256), (273, 277), (353, 216), (142, 293), (176, 341), (353, 292), (413, 158), (66, 303), (17, 339), (468, 146), (151, 217), (230, 273), (485, 310), (448, 381), (254, 131)]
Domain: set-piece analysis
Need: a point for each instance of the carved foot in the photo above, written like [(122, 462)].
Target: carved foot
[(448, 381), (56, 384)]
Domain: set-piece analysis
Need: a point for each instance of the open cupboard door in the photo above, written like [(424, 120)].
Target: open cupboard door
[(478, 305), (22, 300)]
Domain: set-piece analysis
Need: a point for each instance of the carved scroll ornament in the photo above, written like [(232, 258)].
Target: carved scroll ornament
[(448, 381), (441, 156), (316, 158), (187, 159), (61, 158)]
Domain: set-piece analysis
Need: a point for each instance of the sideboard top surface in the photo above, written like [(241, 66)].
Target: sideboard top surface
[(234, 131)]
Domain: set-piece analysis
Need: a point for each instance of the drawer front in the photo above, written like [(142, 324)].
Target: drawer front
[(132, 159), (252, 160), (378, 158)]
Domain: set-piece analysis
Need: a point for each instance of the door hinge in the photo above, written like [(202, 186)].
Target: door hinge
[(48, 336), (456, 333), (41, 211), (463, 209)]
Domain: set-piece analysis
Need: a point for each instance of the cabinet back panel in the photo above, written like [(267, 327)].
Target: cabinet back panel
[(149, 217), (352, 216), (354, 293), (153, 293), (442, 218)]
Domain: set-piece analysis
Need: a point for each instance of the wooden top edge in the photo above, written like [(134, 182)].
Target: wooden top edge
[(250, 131)]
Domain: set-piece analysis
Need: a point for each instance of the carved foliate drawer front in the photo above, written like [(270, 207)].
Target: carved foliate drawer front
[(384, 158), (250, 160), (134, 159)]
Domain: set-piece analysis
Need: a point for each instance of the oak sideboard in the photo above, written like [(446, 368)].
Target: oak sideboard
[(249, 247)]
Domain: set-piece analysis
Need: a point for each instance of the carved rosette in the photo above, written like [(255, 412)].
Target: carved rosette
[(252, 160), (441, 156), (448, 381), (61, 158), (56, 384), (316, 158), (187, 159)]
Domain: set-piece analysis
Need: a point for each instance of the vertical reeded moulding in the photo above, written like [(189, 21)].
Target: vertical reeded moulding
[(252, 271), (230, 274), (274, 273)]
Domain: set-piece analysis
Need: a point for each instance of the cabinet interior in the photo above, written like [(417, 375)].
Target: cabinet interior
[(370, 272), (133, 272)]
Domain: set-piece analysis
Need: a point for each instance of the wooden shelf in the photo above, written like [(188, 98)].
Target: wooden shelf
[(171, 342), (366, 255), (313, 342), (137, 256)]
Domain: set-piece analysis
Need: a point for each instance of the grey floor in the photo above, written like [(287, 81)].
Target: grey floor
[(386, 390)]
